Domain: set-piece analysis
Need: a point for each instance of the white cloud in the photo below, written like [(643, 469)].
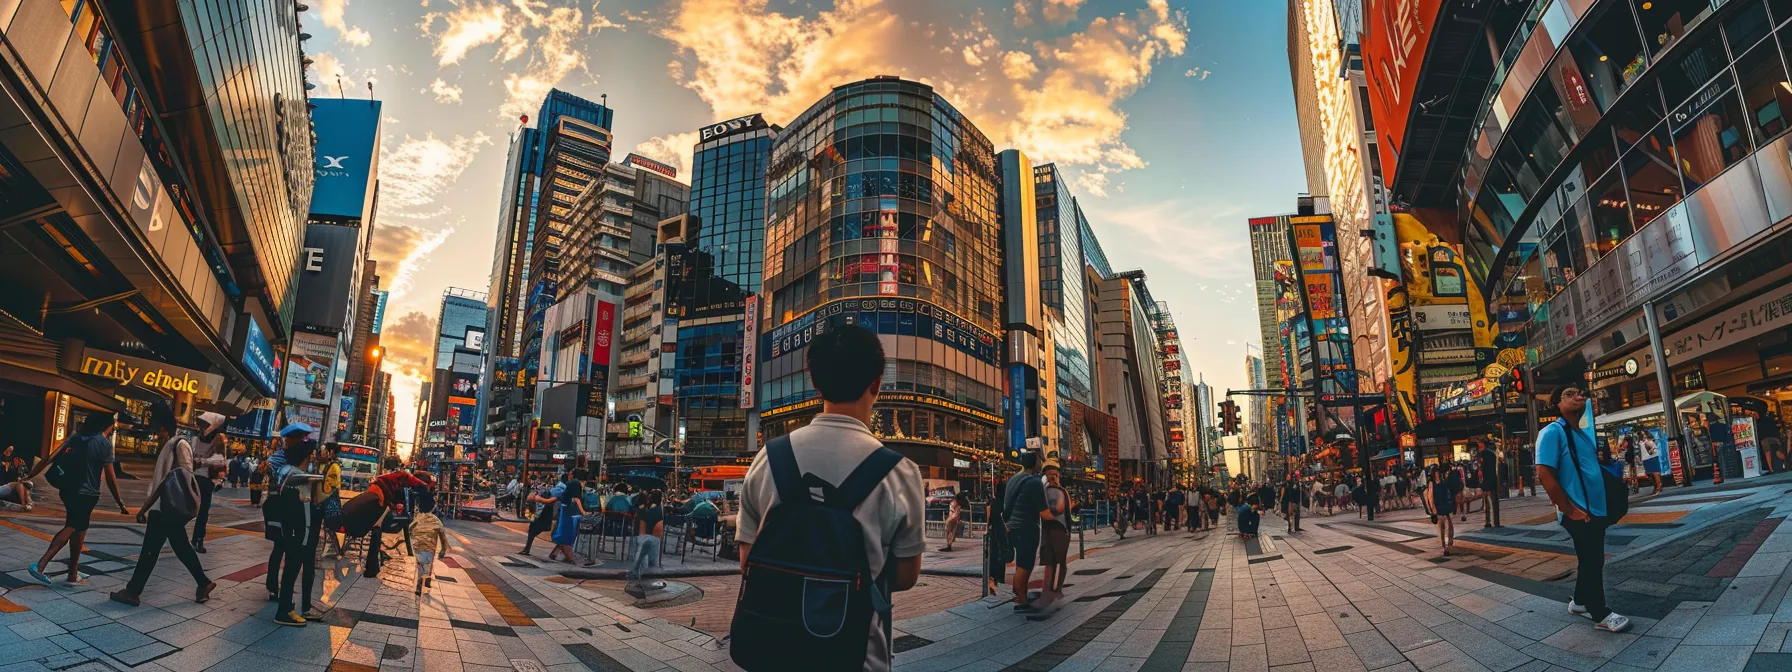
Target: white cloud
[(334, 79), (1197, 73), (674, 149), (445, 92), (1202, 239), (417, 170), (1060, 11), (331, 12), (1056, 97), (541, 35)]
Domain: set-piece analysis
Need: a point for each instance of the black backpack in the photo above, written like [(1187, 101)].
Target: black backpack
[(64, 471), (807, 589)]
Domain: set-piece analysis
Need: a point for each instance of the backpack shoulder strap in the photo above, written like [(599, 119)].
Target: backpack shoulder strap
[(786, 477), (864, 479)]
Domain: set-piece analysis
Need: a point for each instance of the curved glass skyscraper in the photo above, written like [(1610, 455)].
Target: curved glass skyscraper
[(882, 212)]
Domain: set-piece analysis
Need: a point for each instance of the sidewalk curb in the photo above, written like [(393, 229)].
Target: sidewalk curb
[(607, 574)]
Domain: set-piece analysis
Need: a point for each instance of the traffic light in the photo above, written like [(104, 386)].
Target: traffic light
[(1229, 423), (634, 429)]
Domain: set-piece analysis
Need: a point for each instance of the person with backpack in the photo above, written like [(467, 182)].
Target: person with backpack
[(76, 470), (1026, 508), (175, 499), (291, 437), (1568, 467), (818, 574), (292, 528)]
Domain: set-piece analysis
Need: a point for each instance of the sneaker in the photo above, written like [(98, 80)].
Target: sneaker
[(290, 618), (204, 592), (38, 574), (1578, 610), (198, 547), (313, 614), (1613, 623), (124, 597)]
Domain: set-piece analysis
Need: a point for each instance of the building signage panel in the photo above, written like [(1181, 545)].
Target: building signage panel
[(643, 162), (142, 373), (348, 139), (603, 333), (379, 310), (258, 358), (749, 355), (1395, 36), (328, 276), (1017, 406), (1442, 318), (1736, 324), (309, 368), (722, 129)]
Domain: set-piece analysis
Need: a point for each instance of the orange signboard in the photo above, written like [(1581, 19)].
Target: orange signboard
[(1395, 36)]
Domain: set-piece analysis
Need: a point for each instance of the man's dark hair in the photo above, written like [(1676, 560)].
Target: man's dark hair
[(297, 455), (161, 417), (392, 463), (95, 423), (844, 362), (1555, 398), (579, 474)]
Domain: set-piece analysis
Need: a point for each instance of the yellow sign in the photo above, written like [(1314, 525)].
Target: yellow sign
[(156, 376)]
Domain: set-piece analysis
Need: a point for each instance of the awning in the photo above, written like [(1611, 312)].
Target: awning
[(1652, 408), (89, 396)]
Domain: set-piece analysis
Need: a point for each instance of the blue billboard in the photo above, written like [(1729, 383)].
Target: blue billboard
[(348, 154), (379, 310), (258, 358)]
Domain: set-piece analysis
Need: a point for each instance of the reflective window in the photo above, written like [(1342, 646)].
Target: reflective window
[(1689, 72), (1779, 10), (1609, 53), (1611, 214), (1665, 21), (1766, 94), (1641, 113), (1709, 133), (1747, 27), (1649, 175)]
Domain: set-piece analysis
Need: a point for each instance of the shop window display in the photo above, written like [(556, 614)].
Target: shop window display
[(1765, 93)]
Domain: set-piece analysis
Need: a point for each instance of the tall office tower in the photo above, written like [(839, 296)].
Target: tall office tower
[(452, 395), (1130, 372), (1063, 292), (1261, 423), (118, 138), (882, 212), (364, 357), (509, 398), (1207, 432), (716, 279), (1270, 256), (612, 226), (1178, 409)]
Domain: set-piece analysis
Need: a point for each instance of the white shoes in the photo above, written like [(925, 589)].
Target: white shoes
[(1578, 610), (1613, 623)]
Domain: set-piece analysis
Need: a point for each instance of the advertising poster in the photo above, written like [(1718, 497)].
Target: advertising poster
[(1743, 431), (463, 389), (306, 413), (1396, 34), (749, 352), (887, 247), (310, 367)]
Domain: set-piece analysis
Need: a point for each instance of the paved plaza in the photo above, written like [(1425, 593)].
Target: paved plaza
[(1703, 573)]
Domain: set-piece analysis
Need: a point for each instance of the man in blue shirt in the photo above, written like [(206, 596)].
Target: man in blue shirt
[(1568, 468)]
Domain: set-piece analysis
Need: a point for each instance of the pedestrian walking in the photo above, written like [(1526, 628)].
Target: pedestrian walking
[(430, 540), (1197, 518), (960, 502), (391, 487), (1291, 495), (995, 534), (77, 469), (173, 500), (1569, 470), (544, 520), (1054, 538), (1440, 504), (258, 477), (650, 532), (1491, 487), (570, 513), (1173, 503), (857, 547), (328, 494), (208, 465)]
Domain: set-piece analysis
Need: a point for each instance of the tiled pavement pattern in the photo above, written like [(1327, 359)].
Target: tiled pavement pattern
[(1335, 598)]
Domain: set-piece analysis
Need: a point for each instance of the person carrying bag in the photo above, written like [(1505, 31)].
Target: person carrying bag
[(174, 501)]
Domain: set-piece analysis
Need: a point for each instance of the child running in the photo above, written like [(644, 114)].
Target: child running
[(428, 539)]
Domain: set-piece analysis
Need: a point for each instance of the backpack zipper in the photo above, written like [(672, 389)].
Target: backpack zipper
[(806, 572)]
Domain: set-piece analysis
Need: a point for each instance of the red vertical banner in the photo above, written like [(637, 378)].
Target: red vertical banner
[(602, 333), (749, 352)]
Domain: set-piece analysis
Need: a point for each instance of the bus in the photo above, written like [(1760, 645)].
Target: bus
[(360, 464)]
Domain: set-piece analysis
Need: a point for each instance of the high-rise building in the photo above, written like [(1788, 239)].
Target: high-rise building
[(1179, 411), (451, 398), (1131, 369), (1207, 430), (1261, 428), (120, 137), (717, 275), (364, 358), (1271, 266), (611, 227), (531, 193), (882, 211)]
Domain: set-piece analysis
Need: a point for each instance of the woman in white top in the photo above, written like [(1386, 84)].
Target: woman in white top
[(166, 521)]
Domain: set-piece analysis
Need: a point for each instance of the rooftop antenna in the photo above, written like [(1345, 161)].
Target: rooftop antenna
[(370, 89), (338, 86), (603, 99)]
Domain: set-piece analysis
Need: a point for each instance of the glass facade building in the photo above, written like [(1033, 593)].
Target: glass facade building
[(1065, 293), (882, 213), (723, 254)]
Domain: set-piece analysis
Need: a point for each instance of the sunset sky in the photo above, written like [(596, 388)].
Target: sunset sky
[(1174, 119)]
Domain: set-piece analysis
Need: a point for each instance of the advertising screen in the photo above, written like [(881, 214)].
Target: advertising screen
[(348, 144), (1395, 36), (258, 358), (310, 368), (306, 413)]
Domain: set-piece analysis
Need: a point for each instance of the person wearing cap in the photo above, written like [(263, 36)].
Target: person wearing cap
[(208, 462), (291, 437)]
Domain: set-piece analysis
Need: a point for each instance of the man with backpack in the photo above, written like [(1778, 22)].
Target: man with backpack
[(830, 525), (175, 498), (1568, 467), (76, 470)]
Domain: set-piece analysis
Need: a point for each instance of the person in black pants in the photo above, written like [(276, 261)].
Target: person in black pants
[(162, 527), (1568, 468), (999, 553), (273, 528), (297, 532), (544, 521)]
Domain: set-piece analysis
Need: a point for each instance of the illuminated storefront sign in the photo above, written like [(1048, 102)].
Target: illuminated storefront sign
[(163, 378)]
